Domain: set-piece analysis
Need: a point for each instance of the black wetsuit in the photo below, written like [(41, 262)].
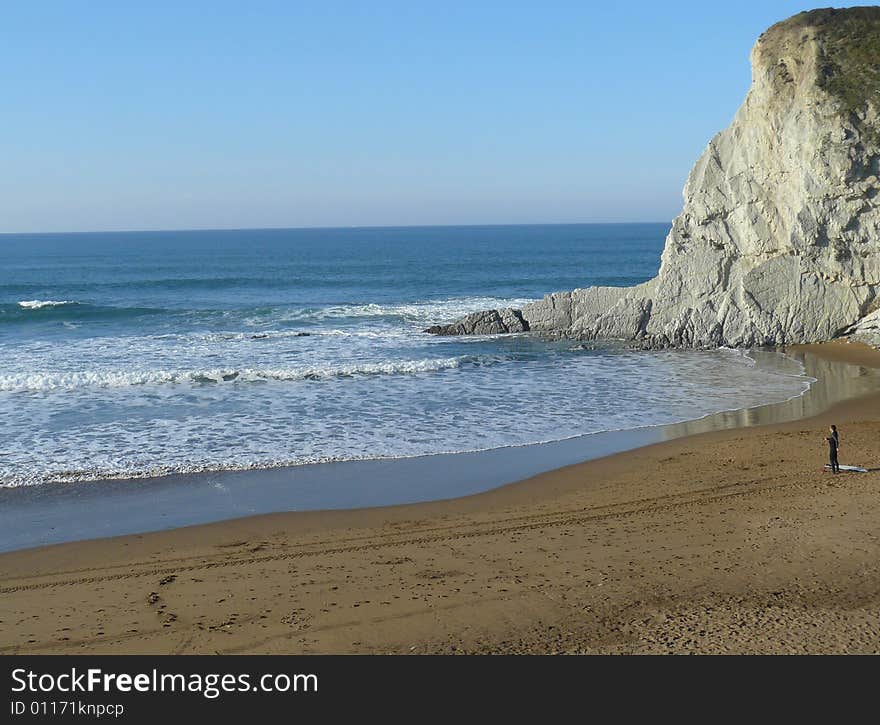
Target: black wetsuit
[(832, 453)]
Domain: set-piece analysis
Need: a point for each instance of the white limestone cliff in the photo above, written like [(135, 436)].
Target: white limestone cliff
[(779, 238)]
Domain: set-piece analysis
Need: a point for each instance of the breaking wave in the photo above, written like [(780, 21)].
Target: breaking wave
[(26, 311), (45, 381), (40, 304), (417, 313)]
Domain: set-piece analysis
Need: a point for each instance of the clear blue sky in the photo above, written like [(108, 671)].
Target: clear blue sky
[(160, 115)]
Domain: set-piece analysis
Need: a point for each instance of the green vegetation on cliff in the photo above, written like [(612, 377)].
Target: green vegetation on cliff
[(849, 53)]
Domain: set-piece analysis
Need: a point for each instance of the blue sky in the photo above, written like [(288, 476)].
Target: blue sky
[(264, 114)]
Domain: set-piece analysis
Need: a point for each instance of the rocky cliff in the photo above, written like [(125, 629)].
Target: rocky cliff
[(779, 238)]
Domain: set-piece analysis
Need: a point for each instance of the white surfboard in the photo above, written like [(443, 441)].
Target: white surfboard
[(854, 469)]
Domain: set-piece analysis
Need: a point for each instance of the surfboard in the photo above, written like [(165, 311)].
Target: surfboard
[(854, 469)]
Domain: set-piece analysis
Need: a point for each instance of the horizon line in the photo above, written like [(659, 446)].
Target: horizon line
[(326, 227)]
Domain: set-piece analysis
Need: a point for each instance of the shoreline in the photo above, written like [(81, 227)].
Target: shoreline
[(722, 541), (60, 513)]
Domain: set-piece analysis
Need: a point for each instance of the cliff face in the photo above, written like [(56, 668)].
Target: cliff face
[(779, 238)]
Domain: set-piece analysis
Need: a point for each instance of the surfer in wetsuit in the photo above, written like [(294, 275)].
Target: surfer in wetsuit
[(835, 436), (832, 452)]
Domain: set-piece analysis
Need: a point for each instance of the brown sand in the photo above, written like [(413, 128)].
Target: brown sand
[(732, 541)]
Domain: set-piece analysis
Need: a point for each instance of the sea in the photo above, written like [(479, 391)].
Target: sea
[(139, 354)]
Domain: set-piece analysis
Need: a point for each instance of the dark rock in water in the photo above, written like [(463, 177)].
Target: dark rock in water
[(488, 322)]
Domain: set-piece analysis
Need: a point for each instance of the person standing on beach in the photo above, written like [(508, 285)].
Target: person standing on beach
[(832, 453), (835, 436)]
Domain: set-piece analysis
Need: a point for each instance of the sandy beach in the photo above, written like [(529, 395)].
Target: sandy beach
[(733, 541)]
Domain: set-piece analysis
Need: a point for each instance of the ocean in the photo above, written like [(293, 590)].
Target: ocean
[(146, 353)]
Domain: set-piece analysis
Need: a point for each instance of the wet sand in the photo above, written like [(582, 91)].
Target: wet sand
[(724, 541)]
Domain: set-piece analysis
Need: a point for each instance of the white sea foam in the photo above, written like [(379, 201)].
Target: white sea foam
[(427, 311), (224, 337), (164, 429), (40, 304), (45, 381)]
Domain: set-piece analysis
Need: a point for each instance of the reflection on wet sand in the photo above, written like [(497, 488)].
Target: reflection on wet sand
[(836, 381)]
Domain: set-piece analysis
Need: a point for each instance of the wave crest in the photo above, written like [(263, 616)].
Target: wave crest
[(40, 304), (417, 312), (29, 311), (43, 382)]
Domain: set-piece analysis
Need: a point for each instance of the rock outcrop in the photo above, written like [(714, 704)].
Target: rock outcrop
[(779, 238), (490, 322)]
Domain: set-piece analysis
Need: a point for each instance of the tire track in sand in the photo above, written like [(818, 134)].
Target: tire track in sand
[(440, 534)]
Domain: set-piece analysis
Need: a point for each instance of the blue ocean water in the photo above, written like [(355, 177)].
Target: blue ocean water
[(138, 354)]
